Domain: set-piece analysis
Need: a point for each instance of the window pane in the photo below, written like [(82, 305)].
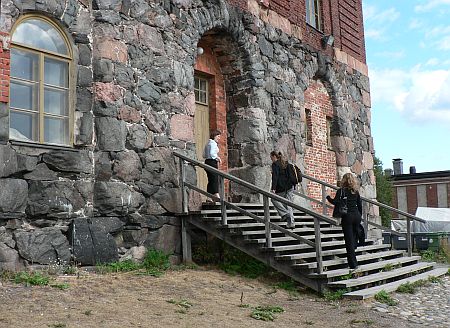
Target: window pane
[(56, 72), (37, 33), (23, 126), (24, 65), (24, 95), (55, 101), (56, 130)]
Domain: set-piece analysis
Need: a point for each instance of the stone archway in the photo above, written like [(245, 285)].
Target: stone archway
[(228, 67)]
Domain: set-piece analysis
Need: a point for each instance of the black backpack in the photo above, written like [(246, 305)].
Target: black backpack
[(295, 175)]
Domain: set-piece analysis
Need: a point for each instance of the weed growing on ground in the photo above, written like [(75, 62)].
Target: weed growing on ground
[(309, 323), (87, 312), (181, 303), (266, 313), (31, 279), (384, 297), (411, 287), (440, 256), (388, 267), (61, 286), (367, 322), (435, 280), (335, 295), (57, 325), (155, 264)]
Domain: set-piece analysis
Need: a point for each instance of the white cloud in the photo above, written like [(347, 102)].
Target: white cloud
[(421, 95), (391, 54), (376, 21), (432, 62), (430, 5)]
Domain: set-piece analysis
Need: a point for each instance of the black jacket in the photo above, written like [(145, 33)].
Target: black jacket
[(354, 203), (280, 178)]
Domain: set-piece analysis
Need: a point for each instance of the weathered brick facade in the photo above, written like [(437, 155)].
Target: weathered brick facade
[(132, 102), (425, 189)]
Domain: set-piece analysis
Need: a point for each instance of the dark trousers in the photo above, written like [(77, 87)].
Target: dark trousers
[(213, 179), (350, 224)]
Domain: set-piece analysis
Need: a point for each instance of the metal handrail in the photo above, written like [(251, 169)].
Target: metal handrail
[(266, 196), (408, 216)]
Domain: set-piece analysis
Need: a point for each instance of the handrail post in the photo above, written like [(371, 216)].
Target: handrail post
[(223, 207), (267, 221), (318, 244), (324, 200), (184, 194), (408, 236)]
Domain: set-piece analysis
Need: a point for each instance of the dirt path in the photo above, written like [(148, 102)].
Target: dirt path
[(129, 300)]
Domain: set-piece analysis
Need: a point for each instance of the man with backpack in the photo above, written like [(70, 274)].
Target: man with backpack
[(283, 185)]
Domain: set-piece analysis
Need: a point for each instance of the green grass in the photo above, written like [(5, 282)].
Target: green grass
[(155, 264), (266, 313), (384, 297), (31, 278), (61, 286), (411, 287), (440, 256), (57, 325), (335, 295)]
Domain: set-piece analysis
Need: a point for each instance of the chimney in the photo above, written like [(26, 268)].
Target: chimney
[(412, 170), (398, 166), (388, 172)]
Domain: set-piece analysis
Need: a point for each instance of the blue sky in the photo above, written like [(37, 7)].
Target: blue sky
[(408, 54)]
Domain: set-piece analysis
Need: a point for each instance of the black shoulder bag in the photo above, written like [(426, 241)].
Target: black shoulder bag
[(341, 205)]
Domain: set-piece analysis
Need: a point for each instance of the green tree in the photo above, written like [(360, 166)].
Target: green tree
[(384, 192)]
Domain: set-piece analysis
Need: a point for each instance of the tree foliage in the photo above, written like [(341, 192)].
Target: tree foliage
[(384, 191)]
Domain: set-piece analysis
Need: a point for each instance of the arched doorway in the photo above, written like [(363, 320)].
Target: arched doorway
[(210, 107)]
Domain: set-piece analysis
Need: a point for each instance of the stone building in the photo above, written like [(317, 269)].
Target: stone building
[(95, 96)]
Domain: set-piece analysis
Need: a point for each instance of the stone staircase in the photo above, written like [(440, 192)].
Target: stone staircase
[(380, 267)]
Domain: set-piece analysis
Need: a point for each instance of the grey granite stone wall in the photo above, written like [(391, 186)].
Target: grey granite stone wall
[(117, 188)]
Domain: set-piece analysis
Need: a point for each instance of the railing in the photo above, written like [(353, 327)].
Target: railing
[(318, 218), (366, 220)]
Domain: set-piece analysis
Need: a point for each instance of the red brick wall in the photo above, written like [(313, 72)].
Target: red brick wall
[(432, 199), (4, 69), (208, 65), (320, 162), (411, 199)]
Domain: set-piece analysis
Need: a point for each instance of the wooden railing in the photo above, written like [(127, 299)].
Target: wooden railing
[(266, 195), (325, 207)]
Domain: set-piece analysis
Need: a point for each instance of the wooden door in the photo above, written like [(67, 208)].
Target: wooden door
[(201, 125)]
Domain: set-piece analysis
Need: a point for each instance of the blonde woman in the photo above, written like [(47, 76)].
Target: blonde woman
[(350, 222)]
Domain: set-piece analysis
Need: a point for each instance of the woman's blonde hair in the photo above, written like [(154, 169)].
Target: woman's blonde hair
[(349, 181)]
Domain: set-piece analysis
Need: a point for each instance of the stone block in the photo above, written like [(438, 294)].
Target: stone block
[(111, 49), (166, 239), (92, 243), (58, 199), (159, 167), (127, 166), (182, 127), (8, 161), (44, 246), (111, 134), (13, 197), (139, 137), (116, 199), (9, 259), (41, 172), (107, 92), (79, 161)]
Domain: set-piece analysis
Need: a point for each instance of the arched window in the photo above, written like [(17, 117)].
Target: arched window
[(40, 83)]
